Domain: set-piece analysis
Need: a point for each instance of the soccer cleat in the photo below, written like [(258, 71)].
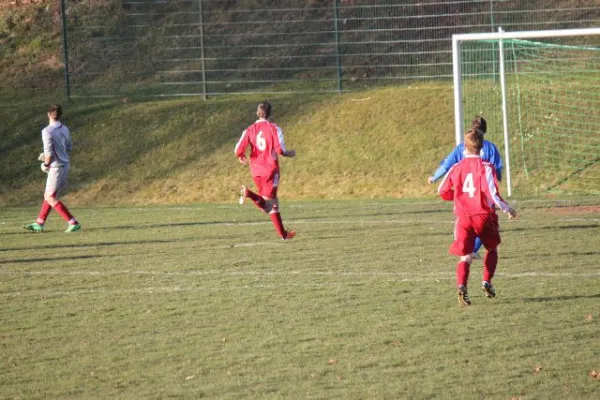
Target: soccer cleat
[(73, 227), (463, 297), (242, 194), (488, 290), (289, 235), (35, 227)]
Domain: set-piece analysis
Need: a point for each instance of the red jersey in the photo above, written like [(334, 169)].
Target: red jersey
[(266, 142), (473, 186)]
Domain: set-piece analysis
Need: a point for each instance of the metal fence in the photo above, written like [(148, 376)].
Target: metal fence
[(214, 47)]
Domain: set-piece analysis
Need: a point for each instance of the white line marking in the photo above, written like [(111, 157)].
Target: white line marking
[(291, 273)]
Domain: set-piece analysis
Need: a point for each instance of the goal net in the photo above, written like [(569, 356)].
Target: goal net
[(540, 94)]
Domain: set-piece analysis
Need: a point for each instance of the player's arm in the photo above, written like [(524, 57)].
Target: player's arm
[(240, 147), (454, 157), (48, 150), (494, 194), (280, 145), (496, 160), (446, 188)]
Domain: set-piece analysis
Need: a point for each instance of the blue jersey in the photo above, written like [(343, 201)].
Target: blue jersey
[(489, 152)]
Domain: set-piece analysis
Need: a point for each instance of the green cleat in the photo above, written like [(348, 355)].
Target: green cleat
[(73, 227), (35, 227)]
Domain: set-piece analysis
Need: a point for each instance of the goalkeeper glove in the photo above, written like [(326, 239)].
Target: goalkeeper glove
[(45, 167)]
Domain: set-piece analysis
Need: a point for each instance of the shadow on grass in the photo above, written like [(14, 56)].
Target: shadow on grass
[(547, 255), (560, 298), (528, 229), (133, 227), (32, 260), (108, 244)]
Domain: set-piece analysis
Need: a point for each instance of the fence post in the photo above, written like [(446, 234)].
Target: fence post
[(493, 29), (338, 61), (202, 62), (65, 48), (492, 19)]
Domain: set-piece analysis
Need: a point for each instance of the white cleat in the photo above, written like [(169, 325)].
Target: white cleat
[(242, 194)]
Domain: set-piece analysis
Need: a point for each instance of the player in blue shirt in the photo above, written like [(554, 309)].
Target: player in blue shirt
[(489, 152)]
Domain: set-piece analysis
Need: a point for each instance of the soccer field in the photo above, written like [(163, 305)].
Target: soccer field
[(205, 301)]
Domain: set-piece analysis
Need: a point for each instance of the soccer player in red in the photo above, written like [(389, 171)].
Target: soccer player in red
[(473, 186), (265, 140), (56, 139)]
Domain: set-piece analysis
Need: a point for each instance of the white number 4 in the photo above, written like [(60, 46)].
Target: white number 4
[(261, 142), (468, 186)]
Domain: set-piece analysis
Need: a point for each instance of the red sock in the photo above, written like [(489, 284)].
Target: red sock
[(462, 273), (62, 210), (489, 264), (278, 224), (256, 199), (44, 211)]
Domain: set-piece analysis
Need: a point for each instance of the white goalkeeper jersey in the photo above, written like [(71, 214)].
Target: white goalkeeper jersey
[(56, 139)]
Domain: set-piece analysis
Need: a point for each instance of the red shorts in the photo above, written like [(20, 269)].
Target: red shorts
[(467, 228), (267, 185)]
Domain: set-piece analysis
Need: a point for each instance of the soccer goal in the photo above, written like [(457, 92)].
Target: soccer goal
[(540, 94)]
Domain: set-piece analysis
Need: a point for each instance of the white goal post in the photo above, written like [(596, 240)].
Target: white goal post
[(499, 38)]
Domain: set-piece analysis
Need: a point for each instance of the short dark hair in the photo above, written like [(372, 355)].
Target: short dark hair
[(264, 109), (55, 111), (479, 123)]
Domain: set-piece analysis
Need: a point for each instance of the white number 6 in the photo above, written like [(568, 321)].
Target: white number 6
[(261, 142)]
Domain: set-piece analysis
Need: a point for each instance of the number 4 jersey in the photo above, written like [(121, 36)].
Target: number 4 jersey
[(473, 186), (266, 142)]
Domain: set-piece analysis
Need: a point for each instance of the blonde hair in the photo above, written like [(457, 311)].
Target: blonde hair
[(474, 141)]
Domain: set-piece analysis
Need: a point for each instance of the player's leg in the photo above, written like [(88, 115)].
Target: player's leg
[(464, 238), (478, 244), (490, 236), (38, 225), (462, 277), (270, 194), (52, 194), (275, 216), (256, 198)]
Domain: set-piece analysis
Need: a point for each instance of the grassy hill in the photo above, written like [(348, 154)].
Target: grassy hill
[(371, 144), (374, 144)]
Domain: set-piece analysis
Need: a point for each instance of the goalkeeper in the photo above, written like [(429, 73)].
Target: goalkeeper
[(489, 152)]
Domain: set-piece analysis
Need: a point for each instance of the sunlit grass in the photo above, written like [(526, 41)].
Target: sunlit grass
[(205, 301)]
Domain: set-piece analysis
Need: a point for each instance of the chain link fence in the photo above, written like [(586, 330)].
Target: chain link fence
[(213, 47)]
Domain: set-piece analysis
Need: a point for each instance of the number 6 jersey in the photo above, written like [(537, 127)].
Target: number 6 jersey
[(266, 142), (473, 186)]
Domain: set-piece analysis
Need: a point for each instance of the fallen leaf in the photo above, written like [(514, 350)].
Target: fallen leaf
[(594, 374), (589, 317), (537, 369), (332, 361)]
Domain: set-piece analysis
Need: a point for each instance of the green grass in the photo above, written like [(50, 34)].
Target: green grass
[(203, 301)]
